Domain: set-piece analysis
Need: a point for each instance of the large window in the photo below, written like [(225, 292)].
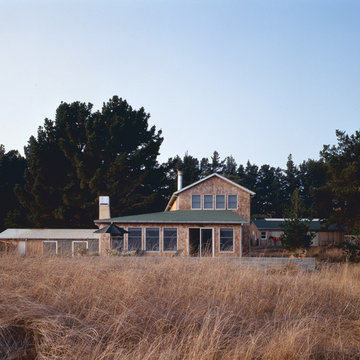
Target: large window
[(226, 240), (232, 202), (196, 201), (152, 239), (170, 239), (134, 239), (50, 247), (79, 246), (220, 202), (117, 242), (208, 202)]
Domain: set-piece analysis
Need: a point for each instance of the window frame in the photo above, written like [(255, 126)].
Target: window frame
[(177, 239), (261, 235), (212, 203), (192, 208), (237, 202), (223, 208), (51, 241), (78, 241), (141, 237), (152, 228), (233, 241)]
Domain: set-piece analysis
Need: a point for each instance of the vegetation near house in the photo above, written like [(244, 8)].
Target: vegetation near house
[(82, 154), (136, 309), (295, 228)]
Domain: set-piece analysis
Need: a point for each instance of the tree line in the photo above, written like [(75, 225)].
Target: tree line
[(83, 154)]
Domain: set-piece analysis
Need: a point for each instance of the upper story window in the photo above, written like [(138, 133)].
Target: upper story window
[(208, 202), (232, 202), (196, 201), (220, 202)]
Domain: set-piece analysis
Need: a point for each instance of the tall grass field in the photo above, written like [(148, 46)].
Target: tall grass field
[(141, 308)]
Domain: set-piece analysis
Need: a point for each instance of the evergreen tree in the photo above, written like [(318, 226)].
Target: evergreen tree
[(84, 154), (339, 198), (296, 229), (216, 163), (12, 166)]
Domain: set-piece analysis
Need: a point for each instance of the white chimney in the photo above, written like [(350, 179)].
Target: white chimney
[(179, 180), (104, 207)]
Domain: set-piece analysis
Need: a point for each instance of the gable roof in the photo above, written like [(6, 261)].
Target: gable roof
[(275, 224), (49, 234), (174, 195), (181, 217)]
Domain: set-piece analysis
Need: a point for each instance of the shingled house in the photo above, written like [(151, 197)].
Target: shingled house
[(210, 217)]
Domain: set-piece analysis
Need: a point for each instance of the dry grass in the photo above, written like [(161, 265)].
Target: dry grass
[(126, 308)]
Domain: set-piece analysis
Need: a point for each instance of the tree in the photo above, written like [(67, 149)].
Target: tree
[(12, 166), (341, 194), (84, 154), (216, 165), (295, 228)]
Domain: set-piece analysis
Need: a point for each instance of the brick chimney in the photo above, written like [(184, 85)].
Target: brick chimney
[(104, 207)]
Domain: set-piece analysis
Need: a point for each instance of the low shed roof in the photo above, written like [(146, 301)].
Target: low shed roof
[(181, 217), (275, 224), (46, 234)]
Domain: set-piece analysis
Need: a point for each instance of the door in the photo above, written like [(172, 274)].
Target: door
[(21, 248), (201, 242)]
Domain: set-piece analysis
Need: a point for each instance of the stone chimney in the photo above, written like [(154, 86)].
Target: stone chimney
[(179, 180), (104, 207)]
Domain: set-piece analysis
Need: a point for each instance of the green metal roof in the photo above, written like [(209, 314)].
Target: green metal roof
[(181, 217), (275, 224)]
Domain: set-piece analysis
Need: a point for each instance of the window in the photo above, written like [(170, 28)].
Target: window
[(232, 202), (263, 235), (226, 240), (117, 242), (196, 201), (170, 239), (208, 202), (50, 247), (79, 246), (152, 239), (134, 239), (220, 202)]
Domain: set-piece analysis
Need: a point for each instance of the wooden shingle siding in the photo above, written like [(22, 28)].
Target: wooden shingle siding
[(215, 186)]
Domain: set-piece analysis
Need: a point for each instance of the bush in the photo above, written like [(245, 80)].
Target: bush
[(351, 249)]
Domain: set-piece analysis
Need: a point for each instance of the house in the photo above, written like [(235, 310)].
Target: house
[(210, 217), (49, 241), (267, 232)]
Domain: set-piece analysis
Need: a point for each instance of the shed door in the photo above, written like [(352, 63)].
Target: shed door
[(315, 240), (21, 248)]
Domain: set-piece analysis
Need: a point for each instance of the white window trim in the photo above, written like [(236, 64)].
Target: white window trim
[(200, 208), (261, 237), (78, 241), (237, 202), (224, 208), (127, 238), (177, 240), (203, 202), (233, 250), (153, 251), (52, 241)]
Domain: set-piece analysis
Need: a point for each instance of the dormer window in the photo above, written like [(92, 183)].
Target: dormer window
[(196, 201), (208, 202), (220, 202), (232, 202)]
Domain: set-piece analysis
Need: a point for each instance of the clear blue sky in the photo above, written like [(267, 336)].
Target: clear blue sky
[(253, 79)]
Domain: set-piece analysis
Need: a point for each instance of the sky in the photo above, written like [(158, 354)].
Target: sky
[(257, 80)]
